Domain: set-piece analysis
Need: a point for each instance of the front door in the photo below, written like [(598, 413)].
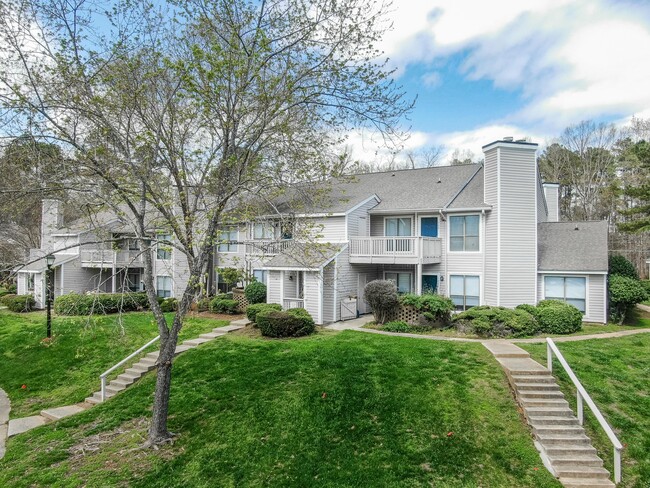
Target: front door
[(429, 283), (429, 226)]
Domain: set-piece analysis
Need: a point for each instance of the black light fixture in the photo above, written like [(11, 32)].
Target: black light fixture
[(49, 261)]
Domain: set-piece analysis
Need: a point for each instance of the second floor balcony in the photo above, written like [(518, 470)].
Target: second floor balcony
[(266, 247), (395, 250), (107, 258)]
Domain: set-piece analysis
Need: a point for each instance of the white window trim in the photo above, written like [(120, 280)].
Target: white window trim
[(585, 316), (399, 271), (171, 289), (171, 253), (236, 238), (480, 233), (407, 216), (465, 273)]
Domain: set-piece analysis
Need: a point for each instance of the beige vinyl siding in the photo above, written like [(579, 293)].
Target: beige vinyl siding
[(312, 291), (329, 312), (273, 292), (518, 222), (323, 229), (491, 229), (354, 219)]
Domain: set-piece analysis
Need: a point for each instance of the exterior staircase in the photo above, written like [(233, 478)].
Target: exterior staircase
[(148, 362), (562, 442)]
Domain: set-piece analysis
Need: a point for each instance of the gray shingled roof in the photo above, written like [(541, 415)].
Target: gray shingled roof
[(305, 256), (414, 189), (471, 196), (563, 248)]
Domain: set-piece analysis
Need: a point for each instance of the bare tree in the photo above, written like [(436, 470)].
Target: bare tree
[(174, 122)]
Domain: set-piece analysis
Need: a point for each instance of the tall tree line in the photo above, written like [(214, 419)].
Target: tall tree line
[(604, 173)]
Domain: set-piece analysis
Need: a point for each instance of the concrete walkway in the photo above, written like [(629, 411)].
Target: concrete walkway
[(358, 324), (5, 407)]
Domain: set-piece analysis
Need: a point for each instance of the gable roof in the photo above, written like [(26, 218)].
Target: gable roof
[(572, 246), (471, 195), (298, 255)]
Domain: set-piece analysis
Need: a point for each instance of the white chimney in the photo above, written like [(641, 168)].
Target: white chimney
[(51, 220), (552, 196)]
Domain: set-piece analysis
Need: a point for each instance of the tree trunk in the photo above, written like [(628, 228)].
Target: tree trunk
[(158, 432)]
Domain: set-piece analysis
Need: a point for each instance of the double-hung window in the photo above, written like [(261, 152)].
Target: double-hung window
[(464, 233), (163, 248), (401, 280), (262, 230), (568, 289), (228, 239), (464, 291), (164, 286)]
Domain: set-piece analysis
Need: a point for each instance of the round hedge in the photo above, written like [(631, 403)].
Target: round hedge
[(253, 310), (219, 304), (255, 292), (382, 297), (292, 323), (556, 317), (486, 321)]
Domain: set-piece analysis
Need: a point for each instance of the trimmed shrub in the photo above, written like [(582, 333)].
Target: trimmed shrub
[(307, 320), (6, 296), (19, 303), (168, 304), (5, 293), (274, 323), (619, 265), (224, 305), (203, 304), (531, 309), (436, 309), (255, 292), (253, 310), (556, 317), (382, 297), (624, 293), (100, 303), (488, 321), (396, 326)]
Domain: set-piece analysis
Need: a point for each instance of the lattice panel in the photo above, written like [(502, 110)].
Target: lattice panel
[(240, 298), (407, 314)]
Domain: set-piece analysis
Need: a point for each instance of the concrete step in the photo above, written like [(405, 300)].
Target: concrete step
[(153, 355), (533, 378), (586, 483), (92, 400), (195, 342), (229, 328), (125, 382), (505, 349), (583, 472), (554, 451), (550, 386), (548, 411), (542, 419), (139, 369), (564, 440), (182, 348), (61, 412), (543, 394), (571, 461), (544, 402), (130, 375), (210, 335), (18, 426), (114, 389), (558, 429)]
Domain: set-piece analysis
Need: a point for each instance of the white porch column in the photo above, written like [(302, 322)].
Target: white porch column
[(418, 279), (282, 288)]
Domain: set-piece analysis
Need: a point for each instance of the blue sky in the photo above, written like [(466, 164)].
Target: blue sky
[(484, 70)]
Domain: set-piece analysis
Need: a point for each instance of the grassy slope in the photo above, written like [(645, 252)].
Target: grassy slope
[(333, 410), (67, 370), (616, 373)]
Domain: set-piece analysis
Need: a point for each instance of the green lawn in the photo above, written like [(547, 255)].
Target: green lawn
[(616, 373), (67, 370), (332, 410)]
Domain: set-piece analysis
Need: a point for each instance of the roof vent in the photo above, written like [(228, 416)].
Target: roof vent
[(521, 140), (576, 227), (439, 180), (508, 139), (393, 174)]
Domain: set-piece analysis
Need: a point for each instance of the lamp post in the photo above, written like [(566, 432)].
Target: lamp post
[(49, 260)]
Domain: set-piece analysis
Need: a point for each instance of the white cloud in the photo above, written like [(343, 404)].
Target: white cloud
[(432, 80), (571, 59)]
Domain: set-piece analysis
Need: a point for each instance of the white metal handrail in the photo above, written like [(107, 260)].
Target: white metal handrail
[(583, 396), (113, 368)]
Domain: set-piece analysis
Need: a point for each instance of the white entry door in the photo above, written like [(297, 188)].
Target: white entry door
[(361, 303)]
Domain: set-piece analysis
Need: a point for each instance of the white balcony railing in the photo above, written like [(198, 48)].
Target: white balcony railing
[(293, 303), (266, 247), (395, 249), (105, 257)]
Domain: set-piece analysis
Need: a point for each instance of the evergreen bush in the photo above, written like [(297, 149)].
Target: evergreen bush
[(255, 293), (557, 317), (382, 298)]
